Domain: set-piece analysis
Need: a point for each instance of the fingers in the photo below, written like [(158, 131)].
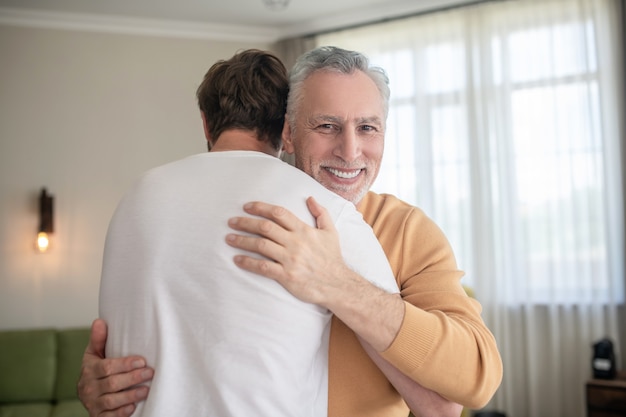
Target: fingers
[(282, 217), (126, 411), (266, 247), (268, 241), (275, 221), (268, 269), (277, 214), (118, 374), (110, 393), (104, 384), (259, 227), (294, 254), (96, 367), (277, 236), (120, 404)]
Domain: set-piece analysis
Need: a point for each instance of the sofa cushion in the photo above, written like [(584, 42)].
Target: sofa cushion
[(71, 408), (26, 410), (28, 357), (71, 345)]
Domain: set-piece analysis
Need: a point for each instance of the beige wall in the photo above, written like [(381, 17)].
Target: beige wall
[(83, 114)]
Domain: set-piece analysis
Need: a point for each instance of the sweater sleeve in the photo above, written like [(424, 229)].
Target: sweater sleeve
[(443, 343)]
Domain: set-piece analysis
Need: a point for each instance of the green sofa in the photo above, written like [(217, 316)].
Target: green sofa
[(39, 369)]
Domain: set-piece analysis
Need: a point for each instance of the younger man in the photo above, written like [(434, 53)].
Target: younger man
[(224, 342)]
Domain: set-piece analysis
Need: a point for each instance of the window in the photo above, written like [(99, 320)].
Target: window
[(497, 129)]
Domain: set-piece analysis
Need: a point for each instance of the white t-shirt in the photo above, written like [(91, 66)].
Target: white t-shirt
[(223, 342)]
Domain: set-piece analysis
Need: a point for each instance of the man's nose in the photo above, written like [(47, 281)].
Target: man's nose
[(349, 146)]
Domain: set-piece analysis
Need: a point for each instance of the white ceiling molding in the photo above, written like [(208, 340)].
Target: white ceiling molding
[(314, 22), (370, 14), (137, 26)]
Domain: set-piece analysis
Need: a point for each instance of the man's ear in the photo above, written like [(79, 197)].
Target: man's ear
[(287, 141), (206, 130)]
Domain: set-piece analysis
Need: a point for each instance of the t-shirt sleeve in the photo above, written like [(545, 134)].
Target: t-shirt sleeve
[(362, 252)]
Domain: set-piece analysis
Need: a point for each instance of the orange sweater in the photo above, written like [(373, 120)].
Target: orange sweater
[(443, 343)]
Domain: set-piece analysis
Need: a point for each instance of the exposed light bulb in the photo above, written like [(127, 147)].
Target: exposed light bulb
[(43, 242)]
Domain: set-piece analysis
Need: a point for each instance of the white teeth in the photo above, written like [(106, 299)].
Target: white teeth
[(344, 174)]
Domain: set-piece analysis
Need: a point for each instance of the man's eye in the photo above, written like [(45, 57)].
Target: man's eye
[(326, 126), (368, 128)]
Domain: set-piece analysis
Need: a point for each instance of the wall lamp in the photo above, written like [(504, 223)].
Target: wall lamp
[(46, 221)]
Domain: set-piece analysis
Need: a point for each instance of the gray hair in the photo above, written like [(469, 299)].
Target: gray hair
[(331, 58)]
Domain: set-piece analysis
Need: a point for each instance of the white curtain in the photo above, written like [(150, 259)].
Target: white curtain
[(505, 128)]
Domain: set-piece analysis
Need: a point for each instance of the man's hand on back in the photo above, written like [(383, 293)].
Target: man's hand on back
[(104, 384)]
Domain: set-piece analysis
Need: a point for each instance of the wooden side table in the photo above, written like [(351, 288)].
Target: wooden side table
[(607, 397)]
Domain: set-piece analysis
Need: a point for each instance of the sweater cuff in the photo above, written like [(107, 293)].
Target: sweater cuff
[(413, 343)]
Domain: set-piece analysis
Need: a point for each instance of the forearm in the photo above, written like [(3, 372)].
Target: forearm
[(428, 340), (421, 401), (372, 313), (443, 343)]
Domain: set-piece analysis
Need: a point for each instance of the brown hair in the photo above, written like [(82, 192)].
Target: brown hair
[(248, 91)]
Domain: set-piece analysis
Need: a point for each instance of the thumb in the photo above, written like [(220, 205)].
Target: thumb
[(322, 218), (98, 338)]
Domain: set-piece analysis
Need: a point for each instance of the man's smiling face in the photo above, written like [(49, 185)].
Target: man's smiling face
[(338, 137)]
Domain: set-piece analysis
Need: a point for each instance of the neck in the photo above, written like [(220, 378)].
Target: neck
[(242, 140)]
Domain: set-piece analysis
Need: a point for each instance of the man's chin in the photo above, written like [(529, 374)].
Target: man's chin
[(350, 192), (354, 196)]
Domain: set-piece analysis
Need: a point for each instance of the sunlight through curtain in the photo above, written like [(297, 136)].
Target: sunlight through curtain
[(504, 127)]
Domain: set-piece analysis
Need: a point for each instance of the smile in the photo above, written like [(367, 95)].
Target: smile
[(345, 174)]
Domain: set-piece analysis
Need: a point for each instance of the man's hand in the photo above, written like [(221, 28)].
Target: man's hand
[(104, 384), (307, 261)]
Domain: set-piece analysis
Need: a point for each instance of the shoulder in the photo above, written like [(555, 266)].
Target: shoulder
[(402, 227), (159, 186), (389, 209), (167, 172)]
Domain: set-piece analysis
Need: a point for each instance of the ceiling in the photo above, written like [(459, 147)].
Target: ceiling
[(236, 19)]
